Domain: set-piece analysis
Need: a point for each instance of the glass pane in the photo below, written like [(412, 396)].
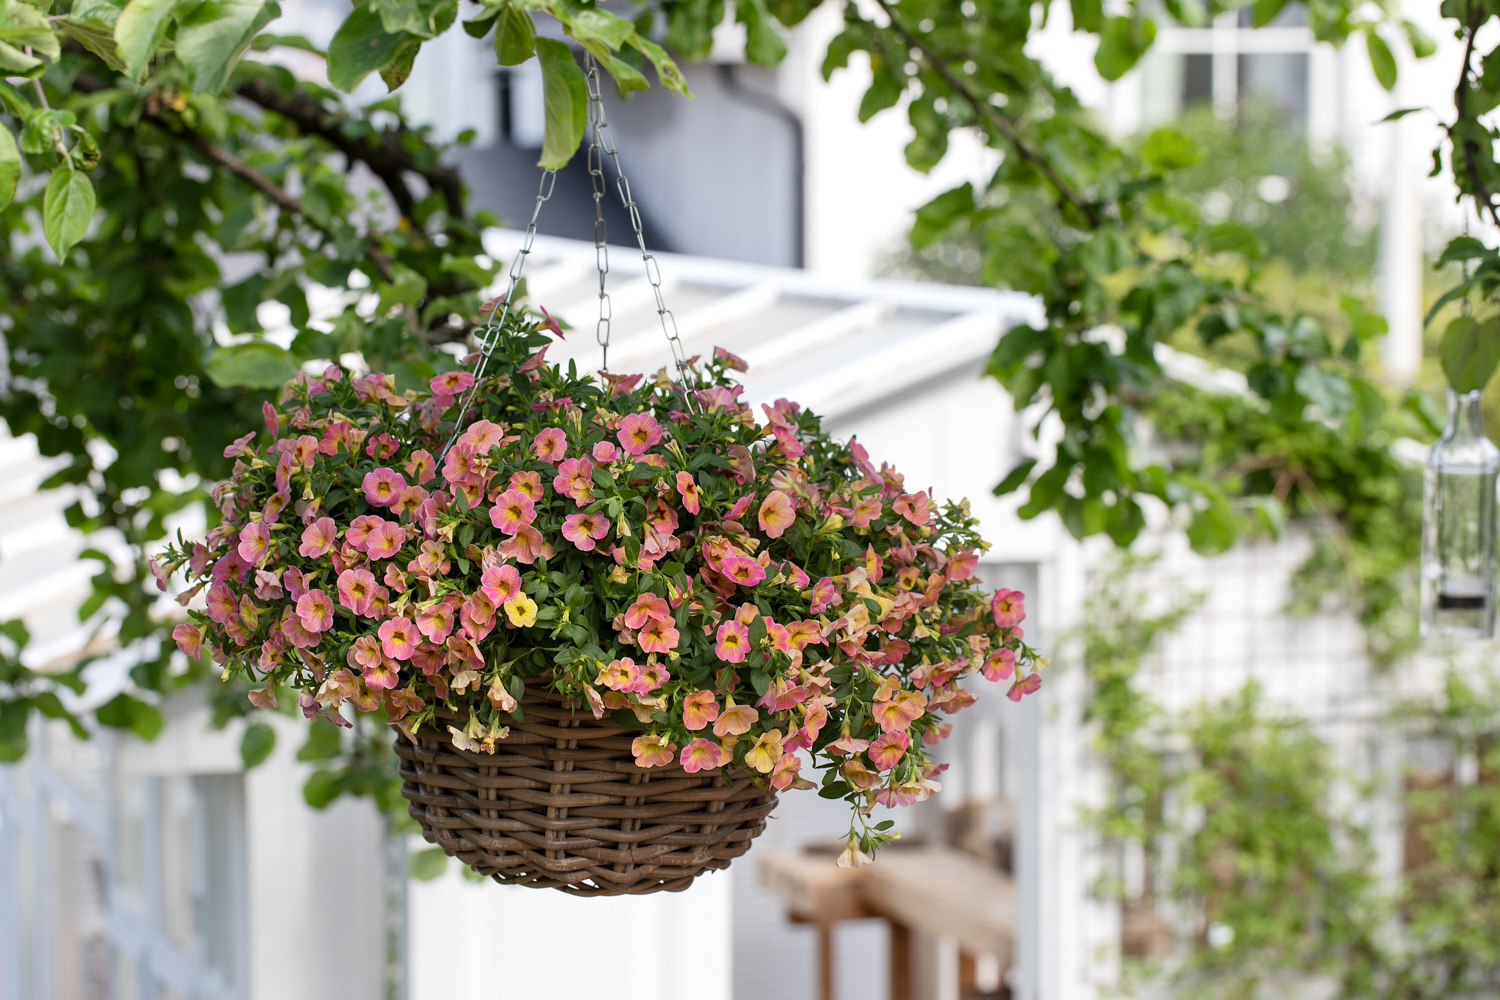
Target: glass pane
[(1278, 80), (1197, 79)]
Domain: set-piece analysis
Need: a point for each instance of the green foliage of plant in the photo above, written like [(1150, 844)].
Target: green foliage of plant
[(1234, 808)]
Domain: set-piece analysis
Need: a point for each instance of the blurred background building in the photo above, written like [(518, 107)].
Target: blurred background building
[(142, 871)]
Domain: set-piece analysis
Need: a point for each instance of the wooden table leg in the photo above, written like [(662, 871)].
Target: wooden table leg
[(825, 961), (900, 962)]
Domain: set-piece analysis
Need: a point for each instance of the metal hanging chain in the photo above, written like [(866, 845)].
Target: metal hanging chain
[(494, 327), (604, 139), (601, 232)]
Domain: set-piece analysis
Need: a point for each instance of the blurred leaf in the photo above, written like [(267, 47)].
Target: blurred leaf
[(565, 95), (67, 209), (1169, 149), (139, 31), (1470, 351), (256, 365), (1381, 59), (1122, 42), (126, 712), (10, 166), (256, 745), (360, 47), (322, 788), (428, 864), (212, 36)]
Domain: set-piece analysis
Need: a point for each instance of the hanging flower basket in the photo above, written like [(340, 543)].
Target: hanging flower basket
[(609, 617)]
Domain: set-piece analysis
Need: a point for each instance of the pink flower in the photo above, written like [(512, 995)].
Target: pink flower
[(365, 652), (691, 496), (606, 452), (784, 775), (914, 507), (436, 622), (528, 483), (1008, 607), (575, 478), (658, 637), (825, 594), (421, 466), (704, 755), (735, 720), (241, 447), (962, 564), (499, 584), (888, 750), (731, 361), (356, 590), (318, 538), (398, 638), (743, 570), (385, 541), (255, 542), (653, 751), (550, 445), (451, 383), (482, 436), (776, 514), (699, 709), (733, 642), (1024, 686), (382, 487), (315, 611), (740, 506), (526, 547), (359, 530), (512, 511), (382, 676), (900, 712), (646, 607), (999, 665), (189, 640), (638, 432), (648, 677), (585, 530)]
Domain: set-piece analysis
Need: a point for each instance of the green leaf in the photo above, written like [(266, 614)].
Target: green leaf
[(360, 47), (763, 43), (666, 70), (1122, 42), (96, 36), (1212, 530), (406, 288), (1328, 390), (565, 94), (324, 741), (1421, 45), (589, 24), (939, 214), (213, 35), (139, 31), (14, 62), (1169, 149), (22, 25), (1088, 15), (10, 166), (515, 37), (1381, 60), (256, 745), (429, 864), (1015, 478), (13, 715), (1470, 352), (124, 712), (322, 788), (1263, 12), (256, 365), (67, 209), (421, 18)]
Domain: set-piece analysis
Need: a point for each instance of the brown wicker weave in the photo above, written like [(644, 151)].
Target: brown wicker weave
[(563, 805)]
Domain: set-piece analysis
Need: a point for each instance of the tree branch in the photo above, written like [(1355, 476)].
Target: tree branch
[(1468, 148), (1005, 126)]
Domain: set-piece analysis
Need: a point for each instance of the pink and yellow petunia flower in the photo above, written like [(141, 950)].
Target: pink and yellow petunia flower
[(733, 643), (512, 511), (914, 507), (777, 513), (526, 546), (382, 487), (886, 752), (658, 636), (190, 641), (529, 483), (647, 607), (653, 751), (383, 676), (575, 479), (743, 570), (436, 621), (692, 496), (255, 542), (1008, 607), (999, 664), (1024, 686), (638, 433), (385, 540), (699, 709), (356, 590), (398, 638), (318, 538), (585, 530), (500, 583), (703, 755), (451, 383), (550, 445), (735, 720), (315, 611)]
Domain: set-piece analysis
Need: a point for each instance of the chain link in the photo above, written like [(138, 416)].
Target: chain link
[(495, 325), (601, 187), (603, 138)]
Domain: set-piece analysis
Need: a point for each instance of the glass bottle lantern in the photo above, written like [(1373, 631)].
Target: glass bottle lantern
[(1458, 527)]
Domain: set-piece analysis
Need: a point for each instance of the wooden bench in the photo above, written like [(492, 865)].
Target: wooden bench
[(934, 890)]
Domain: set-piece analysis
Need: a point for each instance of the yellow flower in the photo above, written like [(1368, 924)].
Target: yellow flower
[(766, 752), (521, 610)]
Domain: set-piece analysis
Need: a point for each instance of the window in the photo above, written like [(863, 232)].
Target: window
[(1233, 66)]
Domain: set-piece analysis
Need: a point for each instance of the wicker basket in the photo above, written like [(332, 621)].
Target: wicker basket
[(563, 805)]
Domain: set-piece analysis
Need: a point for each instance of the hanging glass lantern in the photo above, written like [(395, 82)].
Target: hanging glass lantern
[(1458, 527)]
